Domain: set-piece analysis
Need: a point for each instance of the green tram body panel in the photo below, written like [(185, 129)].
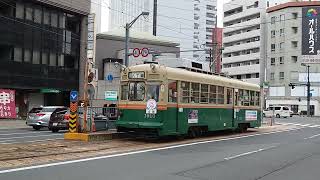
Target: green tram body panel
[(173, 122)]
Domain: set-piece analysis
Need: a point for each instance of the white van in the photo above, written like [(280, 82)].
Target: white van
[(279, 111)]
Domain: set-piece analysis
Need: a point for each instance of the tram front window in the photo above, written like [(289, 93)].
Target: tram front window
[(153, 92), (136, 91)]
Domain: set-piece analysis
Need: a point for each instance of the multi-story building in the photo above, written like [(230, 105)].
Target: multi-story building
[(217, 49), (114, 14), (285, 34), (243, 46), (190, 25), (42, 45)]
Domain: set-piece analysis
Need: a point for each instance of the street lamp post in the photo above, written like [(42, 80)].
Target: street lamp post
[(308, 89), (128, 26)]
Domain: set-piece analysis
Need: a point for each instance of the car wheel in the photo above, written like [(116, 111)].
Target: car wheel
[(37, 127), (278, 116), (54, 130)]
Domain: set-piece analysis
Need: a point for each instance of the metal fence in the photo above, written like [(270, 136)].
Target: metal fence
[(103, 118)]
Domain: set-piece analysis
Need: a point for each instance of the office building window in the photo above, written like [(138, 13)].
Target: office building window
[(273, 20), (281, 75), (294, 30), (44, 58), (37, 15), (282, 18), (27, 55), (294, 44), (29, 13), (248, 76), (281, 45), (18, 54), (294, 15), (273, 33), (281, 32), (36, 57), (19, 10), (271, 76), (273, 47), (281, 60), (294, 59), (273, 61), (257, 75)]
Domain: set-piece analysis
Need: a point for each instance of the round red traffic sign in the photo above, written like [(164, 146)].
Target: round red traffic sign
[(144, 52), (136, 52)]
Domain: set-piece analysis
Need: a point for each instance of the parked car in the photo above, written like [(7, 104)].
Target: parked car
[(277, 111), (59, 120), (39, 117)]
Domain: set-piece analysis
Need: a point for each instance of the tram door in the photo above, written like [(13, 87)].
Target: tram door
[(173, 105), (235, 104)]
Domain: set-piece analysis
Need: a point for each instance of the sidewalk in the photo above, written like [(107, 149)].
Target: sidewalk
[(12, 124)]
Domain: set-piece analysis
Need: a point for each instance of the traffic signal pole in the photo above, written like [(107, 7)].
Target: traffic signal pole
[(308, 90)]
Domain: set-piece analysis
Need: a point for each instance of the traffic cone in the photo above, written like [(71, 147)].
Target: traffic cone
[(93, 126)]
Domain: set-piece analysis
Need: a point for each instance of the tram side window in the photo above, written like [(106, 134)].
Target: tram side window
[(229, 96), (136, 91), (124, 92), (246, 98), (252, 98), (185, 88), (220, 98), (204, 93), (153, 92), (172, 91), (213, 95), (257, 99), (195, 92)]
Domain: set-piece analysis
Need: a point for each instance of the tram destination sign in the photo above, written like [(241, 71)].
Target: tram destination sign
[(310, 45), (136, 75)]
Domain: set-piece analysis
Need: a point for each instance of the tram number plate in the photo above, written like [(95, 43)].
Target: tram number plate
[(149, 116)]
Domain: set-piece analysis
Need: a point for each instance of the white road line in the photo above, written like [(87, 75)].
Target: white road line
[(30, 136), (137, 152), (314, 126), (247, 153), (31, 141), (22, 133), (312, 136)]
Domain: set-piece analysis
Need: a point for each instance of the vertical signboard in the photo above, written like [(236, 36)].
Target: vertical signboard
[(7, 103), (310, 45)]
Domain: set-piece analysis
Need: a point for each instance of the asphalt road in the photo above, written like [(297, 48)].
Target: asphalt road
[(27, 135), (290, 155)]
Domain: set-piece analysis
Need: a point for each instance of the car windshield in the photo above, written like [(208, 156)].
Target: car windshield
[(48, 109), (35, 110), (285, 108)]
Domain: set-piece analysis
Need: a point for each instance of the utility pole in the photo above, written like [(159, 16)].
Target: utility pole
[(210, 64), (308, 91), (155, 14)]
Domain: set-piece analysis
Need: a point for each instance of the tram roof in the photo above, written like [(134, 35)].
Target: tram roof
[(190, 76)]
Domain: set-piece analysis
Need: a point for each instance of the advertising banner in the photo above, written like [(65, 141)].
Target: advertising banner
[(7, 103), (310, 35)]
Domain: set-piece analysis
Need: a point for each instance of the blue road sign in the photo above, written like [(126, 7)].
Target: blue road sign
[(109, 77), (74, 96)]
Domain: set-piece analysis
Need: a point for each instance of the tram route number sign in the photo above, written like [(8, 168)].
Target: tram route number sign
[(144, 52), (151, 107)]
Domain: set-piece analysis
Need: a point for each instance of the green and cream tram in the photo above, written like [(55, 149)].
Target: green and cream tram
[(162, 101)]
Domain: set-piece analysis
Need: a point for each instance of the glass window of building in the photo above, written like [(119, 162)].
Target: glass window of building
[(282, 18), (61, 60), (294, 59), (19, 10), (29, 12), (273, 47), (37, 14), (27, 55), (273, 61), (281, 32), (36, 57), (273, 20), (271, 76), (44, 58), (53, 59), (294, 15), (7, 8), (281, 75), (17, 54), (54, 19), (281, 60), (273, 33), (46, 16)]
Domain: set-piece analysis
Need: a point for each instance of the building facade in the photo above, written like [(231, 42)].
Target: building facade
[(42, 43), (190, 25), (243, 46), (217, 49), (284, 58), (107, 59)]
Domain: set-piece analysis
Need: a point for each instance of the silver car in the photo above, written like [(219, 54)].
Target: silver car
[(39, 117)]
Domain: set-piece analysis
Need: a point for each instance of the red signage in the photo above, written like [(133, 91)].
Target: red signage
[(7, 103), (136, 52)]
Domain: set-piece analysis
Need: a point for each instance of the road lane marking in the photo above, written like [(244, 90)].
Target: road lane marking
[(30, 136), (312, 136), (138, 152), (41, 140), (303, 125), (248, 153), (23, 133)]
